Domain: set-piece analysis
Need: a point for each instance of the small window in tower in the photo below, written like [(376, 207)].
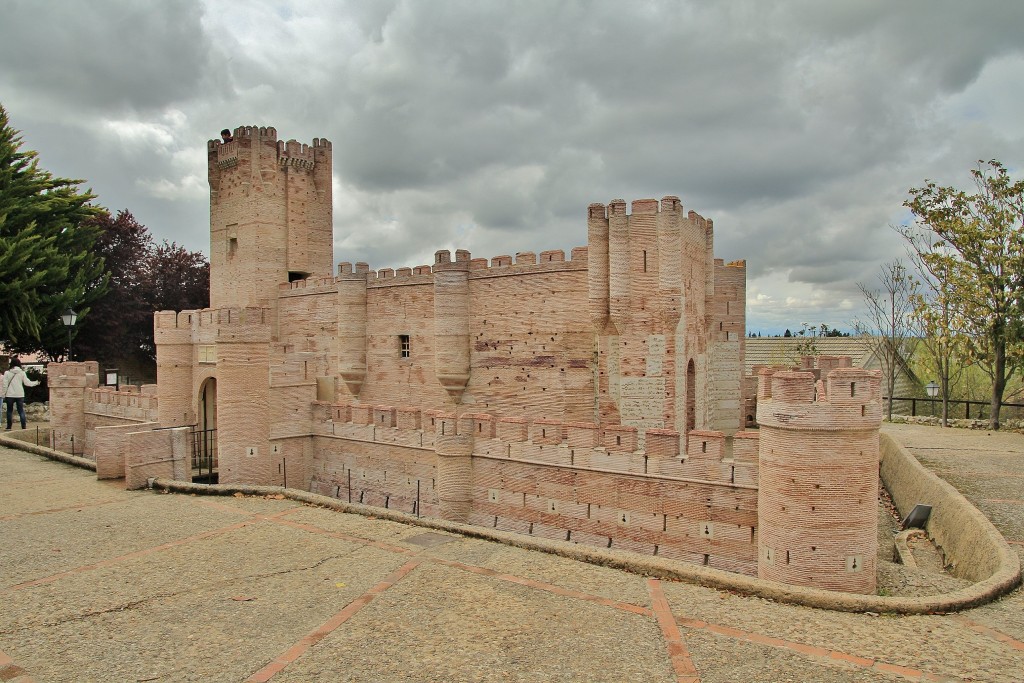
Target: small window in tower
[(294, 275), (405, 345), (232, 247)]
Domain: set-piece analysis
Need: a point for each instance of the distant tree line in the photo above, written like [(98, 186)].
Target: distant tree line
[(806, 330)]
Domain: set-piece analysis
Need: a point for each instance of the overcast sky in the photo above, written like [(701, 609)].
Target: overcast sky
[(798, 126)]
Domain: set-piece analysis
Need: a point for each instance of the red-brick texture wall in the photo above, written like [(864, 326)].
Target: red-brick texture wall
[(156, 453), (544, 477), (68, 385), (819, 454), (270, 215), (111, 442)]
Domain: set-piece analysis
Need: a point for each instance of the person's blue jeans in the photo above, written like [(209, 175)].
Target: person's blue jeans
[(20, 402)]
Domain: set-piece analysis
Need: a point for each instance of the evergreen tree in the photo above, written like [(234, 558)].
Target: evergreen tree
[(47, 262)]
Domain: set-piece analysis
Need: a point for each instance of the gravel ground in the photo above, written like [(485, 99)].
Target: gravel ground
[(100, 584)]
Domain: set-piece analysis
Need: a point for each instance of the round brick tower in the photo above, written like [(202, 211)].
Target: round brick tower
[(817, 509), (451, 321)]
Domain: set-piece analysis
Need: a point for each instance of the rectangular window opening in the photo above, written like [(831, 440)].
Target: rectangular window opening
[(405, 344)]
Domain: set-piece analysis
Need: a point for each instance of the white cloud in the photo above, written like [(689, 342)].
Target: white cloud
[(797, 126)]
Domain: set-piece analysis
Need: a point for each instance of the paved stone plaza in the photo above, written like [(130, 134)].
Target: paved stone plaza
[(100, 584)]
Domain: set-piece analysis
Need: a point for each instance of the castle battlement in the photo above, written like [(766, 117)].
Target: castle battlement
[(108, 400), (523, 262), (848, 399), (69, 369), (553, 442), (246, 132), (312, 285)]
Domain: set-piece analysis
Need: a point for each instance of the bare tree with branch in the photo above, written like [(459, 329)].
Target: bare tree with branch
[(890, 310)]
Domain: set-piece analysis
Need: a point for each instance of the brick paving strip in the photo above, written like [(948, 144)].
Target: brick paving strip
[(824, 655), (686, 672), (993, 633), (11, 672), (818, 653), (679, 656), (325, 629)]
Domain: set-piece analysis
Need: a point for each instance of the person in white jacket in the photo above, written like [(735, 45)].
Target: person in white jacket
[(15, 381)]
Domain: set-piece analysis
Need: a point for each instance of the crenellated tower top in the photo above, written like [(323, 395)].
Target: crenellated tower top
[(270, 215)]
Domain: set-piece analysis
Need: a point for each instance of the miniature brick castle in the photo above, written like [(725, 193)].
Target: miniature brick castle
[(596, 399)]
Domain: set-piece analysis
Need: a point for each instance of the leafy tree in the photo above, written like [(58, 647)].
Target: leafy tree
[(47, 257), (937, 326), (890, 310), (144, 278), (973, 243), (117, 325)]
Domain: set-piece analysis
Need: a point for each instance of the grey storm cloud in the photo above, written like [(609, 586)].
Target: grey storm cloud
[(798, 126)]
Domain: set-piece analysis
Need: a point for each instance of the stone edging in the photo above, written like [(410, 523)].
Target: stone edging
[(1004, 579), (11, 442), (972, 546)]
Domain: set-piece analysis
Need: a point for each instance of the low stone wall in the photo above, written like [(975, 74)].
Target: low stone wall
[(973, 547), (110, 445), (156, 453)]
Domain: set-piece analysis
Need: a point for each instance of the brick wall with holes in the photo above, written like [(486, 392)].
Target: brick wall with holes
[(818, 459), (564, 480), (384, 473)]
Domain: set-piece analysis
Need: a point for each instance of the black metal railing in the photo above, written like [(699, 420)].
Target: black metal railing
[(958, 408), (204, 454)]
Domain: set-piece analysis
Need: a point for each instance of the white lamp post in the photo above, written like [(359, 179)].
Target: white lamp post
[(69, 318)]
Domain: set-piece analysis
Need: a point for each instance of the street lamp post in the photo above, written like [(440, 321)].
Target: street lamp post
[(932, 389), (69, 318)]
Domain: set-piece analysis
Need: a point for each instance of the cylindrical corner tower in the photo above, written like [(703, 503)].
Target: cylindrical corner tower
[(352, 325), (817, 507), (451, 321), (454, 469)]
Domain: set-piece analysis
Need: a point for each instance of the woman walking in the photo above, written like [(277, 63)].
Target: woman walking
[(15, 381)]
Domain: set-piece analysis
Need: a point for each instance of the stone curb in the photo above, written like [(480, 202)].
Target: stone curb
[(11, 442), (1006, 579), (971, 543)]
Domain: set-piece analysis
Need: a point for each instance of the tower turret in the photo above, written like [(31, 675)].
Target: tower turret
[(817, 509), (270, 215)]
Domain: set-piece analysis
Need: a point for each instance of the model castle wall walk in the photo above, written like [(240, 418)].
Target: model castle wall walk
[(594, 399)]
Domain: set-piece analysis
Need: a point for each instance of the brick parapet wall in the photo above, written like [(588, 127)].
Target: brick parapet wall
[(568, 444), (129, 403), (110, 443), (523, 263), (156, 453), (647, 502)]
